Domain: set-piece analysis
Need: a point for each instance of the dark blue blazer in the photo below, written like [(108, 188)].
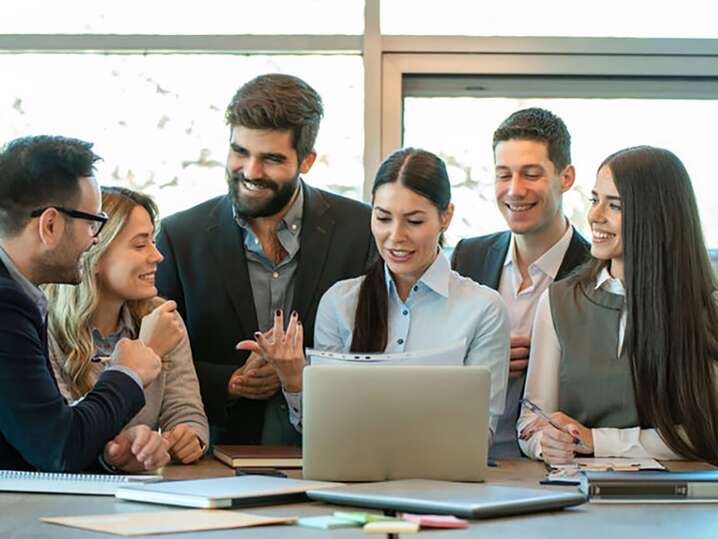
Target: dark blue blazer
[(38, 429), (482, 258), (205, 272)]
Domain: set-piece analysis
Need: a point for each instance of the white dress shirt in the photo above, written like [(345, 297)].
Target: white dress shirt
[(521, 307), (542, 387), (442, 307)]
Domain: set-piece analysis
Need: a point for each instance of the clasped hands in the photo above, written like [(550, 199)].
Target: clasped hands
[(276, 358), (139, 448)]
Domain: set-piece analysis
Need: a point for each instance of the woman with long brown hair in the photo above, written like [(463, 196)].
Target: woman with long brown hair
[(409, 299), (625, 353), (117, 298)]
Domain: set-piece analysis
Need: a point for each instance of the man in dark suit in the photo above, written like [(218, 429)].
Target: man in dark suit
[(273, 243), (49, 216), (532, 155)]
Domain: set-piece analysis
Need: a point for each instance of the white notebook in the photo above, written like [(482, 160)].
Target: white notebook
[(69, 483), (452, 353), (223, 492)]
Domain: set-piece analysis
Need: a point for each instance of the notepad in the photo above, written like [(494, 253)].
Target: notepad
[(69, 483), (223, 492), (573, 472), (326, 522), (451, 354), (393, 526), (259, 456)]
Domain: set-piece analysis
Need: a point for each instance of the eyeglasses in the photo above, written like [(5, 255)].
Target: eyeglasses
[(98, 220)]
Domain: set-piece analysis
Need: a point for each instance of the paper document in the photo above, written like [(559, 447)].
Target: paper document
[(451, 354), (571, 473), (138, 523)]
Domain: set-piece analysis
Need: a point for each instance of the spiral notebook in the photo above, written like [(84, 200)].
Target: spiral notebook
[(69, 483)]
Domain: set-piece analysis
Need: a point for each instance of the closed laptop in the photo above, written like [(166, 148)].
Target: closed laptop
[(368, 423), (441, 497)]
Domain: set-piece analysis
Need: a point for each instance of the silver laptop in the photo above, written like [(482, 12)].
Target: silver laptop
[(368, 423), (442, 497)]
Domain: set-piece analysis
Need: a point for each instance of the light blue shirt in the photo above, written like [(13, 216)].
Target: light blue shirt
[(442, 307)]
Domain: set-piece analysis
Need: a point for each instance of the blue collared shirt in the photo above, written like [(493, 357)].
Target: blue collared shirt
[(441, 307)]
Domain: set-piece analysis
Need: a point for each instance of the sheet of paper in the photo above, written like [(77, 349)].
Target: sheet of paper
[(571, 473), (451, 354), (158, 522)]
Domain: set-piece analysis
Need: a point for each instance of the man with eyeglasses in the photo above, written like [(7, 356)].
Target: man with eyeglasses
[(49, 216)]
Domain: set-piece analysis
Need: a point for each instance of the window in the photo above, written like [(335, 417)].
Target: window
[(461, 131), (566, 18), (158, 120), (191, 18)]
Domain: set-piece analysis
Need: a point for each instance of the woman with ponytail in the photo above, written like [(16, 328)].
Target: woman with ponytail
[(409, 299), (625, 353)]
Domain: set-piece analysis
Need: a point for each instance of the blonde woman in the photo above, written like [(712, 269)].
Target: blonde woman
[(117, 298)]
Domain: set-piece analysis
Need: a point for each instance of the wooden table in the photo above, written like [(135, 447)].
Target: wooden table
[(20, 514)]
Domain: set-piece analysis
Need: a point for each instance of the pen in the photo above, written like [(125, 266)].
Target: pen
[(539, 412)]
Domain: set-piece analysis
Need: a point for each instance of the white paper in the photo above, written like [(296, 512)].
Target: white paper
[(572, 472), (451, 354)]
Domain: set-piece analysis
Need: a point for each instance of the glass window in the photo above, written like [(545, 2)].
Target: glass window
[(158, 120), (172, 17), (461, 131), (609, 18)]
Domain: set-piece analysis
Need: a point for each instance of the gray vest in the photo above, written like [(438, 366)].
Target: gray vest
[(595, 385)]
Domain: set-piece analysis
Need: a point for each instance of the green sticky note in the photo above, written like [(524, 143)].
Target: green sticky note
[(327, 522), (362, 518)]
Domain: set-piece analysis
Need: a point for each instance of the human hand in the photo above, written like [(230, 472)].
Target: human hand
[(137, 449), (559, 446), (520, 347), (162, 330), (184, 444), (283, 350), (256, 379), (135, 355)]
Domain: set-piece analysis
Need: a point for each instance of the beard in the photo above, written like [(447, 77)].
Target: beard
[(62, 265), (248, 208)]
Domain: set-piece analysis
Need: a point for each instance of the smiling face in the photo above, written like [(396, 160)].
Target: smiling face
[(406, 228), (263, 171), (63, 263), (126, 270), (528, 186), (605, 218)]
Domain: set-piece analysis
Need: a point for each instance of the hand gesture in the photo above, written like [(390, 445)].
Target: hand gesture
[(134, 355), (256, 379), (283, 350), (137, 449), (162, 330), (184, 444)]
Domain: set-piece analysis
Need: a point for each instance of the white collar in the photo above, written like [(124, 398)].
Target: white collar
[(550, 262)]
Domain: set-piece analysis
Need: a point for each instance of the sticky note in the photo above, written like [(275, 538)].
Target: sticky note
[(327, 522), (393, 526), (436, 521), (363, 518)]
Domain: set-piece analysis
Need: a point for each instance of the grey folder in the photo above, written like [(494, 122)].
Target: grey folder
[(372, 423), (646, 486), (468, 500)]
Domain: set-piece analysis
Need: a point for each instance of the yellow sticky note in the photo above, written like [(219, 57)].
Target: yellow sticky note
[(394, 526)]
